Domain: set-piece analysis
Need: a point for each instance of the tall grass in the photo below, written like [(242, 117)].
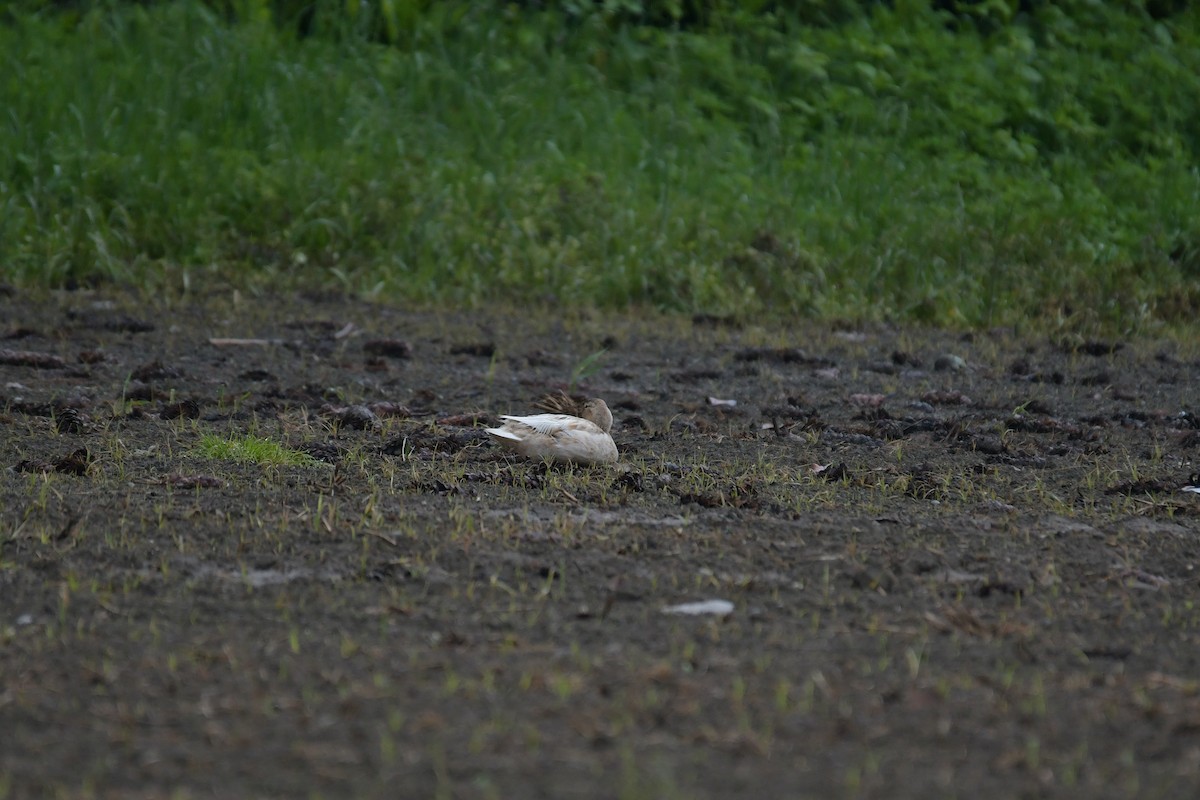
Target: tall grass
[(889, 166)]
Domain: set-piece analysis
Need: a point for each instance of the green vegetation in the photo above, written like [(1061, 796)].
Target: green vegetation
[(904, 162), (253, 450)]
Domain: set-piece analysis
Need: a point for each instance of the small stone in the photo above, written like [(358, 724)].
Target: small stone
[(717, 608), (948, 362)]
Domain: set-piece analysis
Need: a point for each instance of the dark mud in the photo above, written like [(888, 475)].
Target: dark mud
[(959, 565)]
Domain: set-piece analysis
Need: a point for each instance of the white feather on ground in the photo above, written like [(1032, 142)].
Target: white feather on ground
[(561, 437)]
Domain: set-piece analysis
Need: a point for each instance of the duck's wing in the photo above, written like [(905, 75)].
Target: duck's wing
[(551, 424)]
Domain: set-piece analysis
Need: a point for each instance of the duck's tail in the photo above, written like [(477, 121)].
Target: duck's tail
[(502, 433)]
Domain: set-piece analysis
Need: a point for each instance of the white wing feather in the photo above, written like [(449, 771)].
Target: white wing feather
[(551, 424)]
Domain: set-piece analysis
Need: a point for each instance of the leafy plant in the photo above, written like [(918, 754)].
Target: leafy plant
[(966, 166), (589, 365)]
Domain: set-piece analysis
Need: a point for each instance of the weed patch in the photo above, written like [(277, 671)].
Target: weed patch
[(253, 450)]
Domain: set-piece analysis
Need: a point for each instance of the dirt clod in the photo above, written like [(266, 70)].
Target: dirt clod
[(29, 358), (392, 348)]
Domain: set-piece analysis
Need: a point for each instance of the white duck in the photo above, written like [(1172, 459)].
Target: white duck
[(561, 437)]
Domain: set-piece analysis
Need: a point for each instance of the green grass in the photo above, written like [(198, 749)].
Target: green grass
[(899, 164), (253, 450)]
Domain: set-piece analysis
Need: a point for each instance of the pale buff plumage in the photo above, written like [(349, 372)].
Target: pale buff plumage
[(562, 403), (561, 437)]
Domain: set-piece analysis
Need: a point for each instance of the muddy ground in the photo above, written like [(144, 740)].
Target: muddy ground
[(959, 565)]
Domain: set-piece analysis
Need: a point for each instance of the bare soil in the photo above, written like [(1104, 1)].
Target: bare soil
[(959, 565)]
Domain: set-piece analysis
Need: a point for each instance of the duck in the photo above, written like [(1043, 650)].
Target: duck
[(583, 439)]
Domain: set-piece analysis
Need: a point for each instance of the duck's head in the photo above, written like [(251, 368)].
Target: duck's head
[(597, 411)]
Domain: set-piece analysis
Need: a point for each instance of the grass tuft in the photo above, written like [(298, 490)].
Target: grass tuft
[(253, 450)]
